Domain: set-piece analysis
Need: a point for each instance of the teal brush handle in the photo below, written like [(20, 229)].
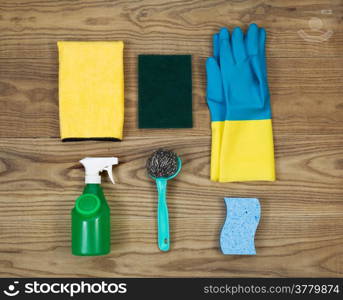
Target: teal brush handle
[(162, 215)]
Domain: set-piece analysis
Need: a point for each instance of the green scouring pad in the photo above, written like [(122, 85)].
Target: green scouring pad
[(165, 91)]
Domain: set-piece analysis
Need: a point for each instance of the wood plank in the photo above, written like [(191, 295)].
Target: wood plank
[(29, 97), (42, 248), (309, 172), (31, 29)]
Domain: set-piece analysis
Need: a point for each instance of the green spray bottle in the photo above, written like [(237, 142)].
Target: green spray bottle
[(91, 213)]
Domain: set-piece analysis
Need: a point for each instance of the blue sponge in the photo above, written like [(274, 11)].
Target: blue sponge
[(238, 233)]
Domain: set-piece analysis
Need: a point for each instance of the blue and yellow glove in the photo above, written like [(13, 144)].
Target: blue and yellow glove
[(246, 145)]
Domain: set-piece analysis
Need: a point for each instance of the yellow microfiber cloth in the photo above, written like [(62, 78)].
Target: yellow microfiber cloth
[(91, 90)]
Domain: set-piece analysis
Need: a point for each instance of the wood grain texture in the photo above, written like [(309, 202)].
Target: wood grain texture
[(301, 230)]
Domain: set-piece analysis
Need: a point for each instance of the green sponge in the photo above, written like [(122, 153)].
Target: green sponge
[(165, 91)]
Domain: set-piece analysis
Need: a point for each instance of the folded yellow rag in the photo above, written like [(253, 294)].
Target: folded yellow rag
[(91, 90)]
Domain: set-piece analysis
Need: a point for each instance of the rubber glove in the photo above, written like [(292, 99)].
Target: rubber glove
[(247, 150), (216, 104)]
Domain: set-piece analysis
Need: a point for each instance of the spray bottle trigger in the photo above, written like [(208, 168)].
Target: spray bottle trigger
[(108, 169)]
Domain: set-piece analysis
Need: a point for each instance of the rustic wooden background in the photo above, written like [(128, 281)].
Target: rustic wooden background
[(301, 231)]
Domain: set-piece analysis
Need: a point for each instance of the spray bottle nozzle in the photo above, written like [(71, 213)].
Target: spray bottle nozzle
[(95, 165)]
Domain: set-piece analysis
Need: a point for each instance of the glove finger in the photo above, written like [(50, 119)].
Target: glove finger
[(262, 49), (225, 51), (259, 66), (238, 47), (262, 35), (216, 47), (251, 40), (263, 65), (214, 81)]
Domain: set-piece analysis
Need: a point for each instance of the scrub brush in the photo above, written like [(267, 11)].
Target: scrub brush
[(162, 166)]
